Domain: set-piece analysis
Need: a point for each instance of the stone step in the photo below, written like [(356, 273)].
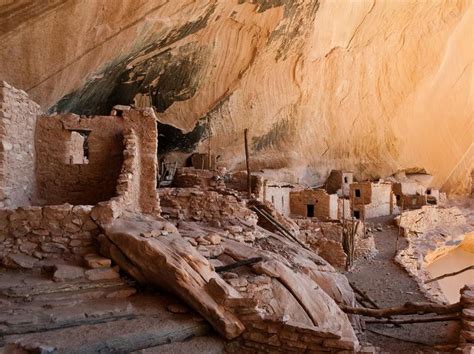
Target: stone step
[(205, 344), (111, 337)]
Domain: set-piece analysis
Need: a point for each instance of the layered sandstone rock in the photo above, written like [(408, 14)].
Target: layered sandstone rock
[(364, 85)]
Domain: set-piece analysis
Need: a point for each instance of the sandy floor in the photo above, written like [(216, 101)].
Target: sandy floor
[(389, 285)]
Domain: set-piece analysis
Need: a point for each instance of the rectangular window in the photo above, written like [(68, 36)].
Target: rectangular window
[(78, 153), (346, 180), (357, 193), (357, 214)]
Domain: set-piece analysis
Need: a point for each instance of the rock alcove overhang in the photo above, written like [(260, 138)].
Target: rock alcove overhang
[(165, 74)]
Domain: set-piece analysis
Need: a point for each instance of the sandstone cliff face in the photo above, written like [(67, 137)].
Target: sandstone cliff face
[(373, 86)]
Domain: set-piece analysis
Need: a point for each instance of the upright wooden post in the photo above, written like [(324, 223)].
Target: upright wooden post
[(247, 162), (399, 225)]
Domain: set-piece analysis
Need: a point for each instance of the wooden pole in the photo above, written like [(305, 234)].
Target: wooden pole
[(247, 162), (410, 308), (417, 320), (399, 228), (450, 274)]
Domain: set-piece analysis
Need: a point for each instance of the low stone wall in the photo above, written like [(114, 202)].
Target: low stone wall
[(188, 177), (30, 234), (466, 338), (325, 238), (198, 205)]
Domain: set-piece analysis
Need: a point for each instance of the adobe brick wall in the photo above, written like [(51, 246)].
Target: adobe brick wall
[(365, 189), (325, 205), (58, 180), (18, 116)]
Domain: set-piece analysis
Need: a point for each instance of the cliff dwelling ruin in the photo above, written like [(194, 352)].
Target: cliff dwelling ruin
[(236, 176)]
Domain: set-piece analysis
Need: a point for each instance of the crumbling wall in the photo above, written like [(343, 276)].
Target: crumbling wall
[(32, 233), (410, 194), (128, 183), (188, 177), (136, 184), (325, 205), (59, 180), (326, 239), (18, 116), (199, 205), (238, 182), (339, 182), (413, 201), (344, 208), (143, 123), (201, 161)]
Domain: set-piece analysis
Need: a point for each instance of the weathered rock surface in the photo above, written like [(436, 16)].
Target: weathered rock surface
[(276, 303), (365, 85)]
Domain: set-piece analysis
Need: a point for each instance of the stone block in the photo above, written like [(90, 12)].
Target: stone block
[(95, 261), (19, 261), (102, 274), (64, 272)]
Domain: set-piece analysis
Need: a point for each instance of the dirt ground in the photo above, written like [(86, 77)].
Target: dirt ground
[(390, 285)]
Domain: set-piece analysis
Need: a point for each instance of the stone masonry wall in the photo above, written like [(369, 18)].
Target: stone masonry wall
[(143, 123), (199, 205), (59, 181), (29, 234), (136, 184), (466, 338), (18, 116)]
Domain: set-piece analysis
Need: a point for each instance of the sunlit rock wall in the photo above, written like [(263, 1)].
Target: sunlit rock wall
[(373, 86)]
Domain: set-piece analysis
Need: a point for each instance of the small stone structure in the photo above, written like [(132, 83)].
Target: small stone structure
[(278, 193), (314, 203), (409, 195), (63, 176), (117, 166), (371, 200), (204, 161), (339, 182)]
